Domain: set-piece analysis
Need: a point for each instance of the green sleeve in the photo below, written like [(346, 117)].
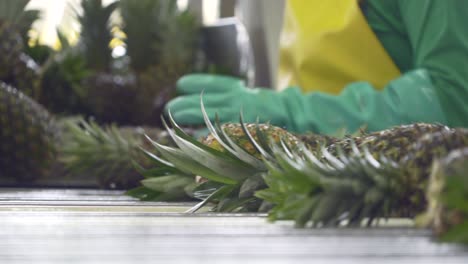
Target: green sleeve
[(435, 90), (438, 34), (408, 99)]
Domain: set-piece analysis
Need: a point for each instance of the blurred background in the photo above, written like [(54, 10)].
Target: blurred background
[(108, 67), (262, 19)]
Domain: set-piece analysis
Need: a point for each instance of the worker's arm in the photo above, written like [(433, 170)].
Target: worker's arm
[(434, 91)]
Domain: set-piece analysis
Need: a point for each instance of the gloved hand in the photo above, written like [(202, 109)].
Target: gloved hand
[(227, 96), (408, 99)]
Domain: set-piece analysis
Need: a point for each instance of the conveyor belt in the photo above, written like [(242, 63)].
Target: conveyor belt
[(88, 226)]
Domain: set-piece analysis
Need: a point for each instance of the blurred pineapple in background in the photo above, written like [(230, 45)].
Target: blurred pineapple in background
[(17, 68), (83, 78), (27, 138), (160, 43), (63, 73), (103, 92), (96, 34), (27, 130)]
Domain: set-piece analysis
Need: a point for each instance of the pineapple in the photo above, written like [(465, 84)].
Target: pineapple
[(168, 45), (108, 153), (27, 137), (246, 136), (104, 92), (447, 194), (111, 97), (142, 41), (393, 142), (229, 161), (11, 44), (399, 172), (26, 76), (357, 186), (63, 87), (86, 83), (95, 36), (158, 54), (17, 68), (235, 131), (251, 167), (314, 141)]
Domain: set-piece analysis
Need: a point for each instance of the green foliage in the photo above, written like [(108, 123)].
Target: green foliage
[(96, 33), (25, 23), (451, 198), (27, 137), (142, 27), (12, 11), (230, 178), (79, 150), (457, 234), (157, 33), (340, 189), (62, 81), (456, 194), (38, 52), (105, 152)]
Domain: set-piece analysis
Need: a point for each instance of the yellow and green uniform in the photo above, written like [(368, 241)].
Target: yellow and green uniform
[(412, 67)]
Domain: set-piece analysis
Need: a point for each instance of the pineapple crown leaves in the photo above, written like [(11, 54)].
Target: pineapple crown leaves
[(63, 40), (163, 182), (142, 41), (325, 188), (96, 33), (29, 131), (14, 14), (46, 56), (95, 11), (181, 165), (26, 21), (227, 143), (168, 41), (197, 158), (232, 176), (62, 75), (351, 188), (87, 146), (180, 39), (146, 194), (12, 11), (70, 67)]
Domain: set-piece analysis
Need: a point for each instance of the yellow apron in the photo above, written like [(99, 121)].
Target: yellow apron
[(327, 44)]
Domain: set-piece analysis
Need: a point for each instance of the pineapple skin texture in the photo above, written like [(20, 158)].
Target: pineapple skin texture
[(236, 133), (394, 143), (27, 136), (11, 46), (414, 148), (17, 68)]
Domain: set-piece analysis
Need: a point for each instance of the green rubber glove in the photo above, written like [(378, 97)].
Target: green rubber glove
[(408, 99), (227, 96)]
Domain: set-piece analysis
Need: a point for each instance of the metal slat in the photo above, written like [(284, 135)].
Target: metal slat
[(126, 234)]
